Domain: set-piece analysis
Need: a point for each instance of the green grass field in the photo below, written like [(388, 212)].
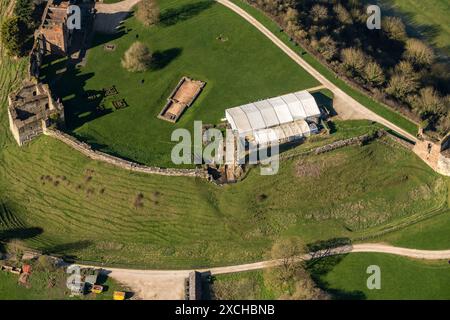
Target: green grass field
[(242, 67), (88, 209), (425, 19), (345, 277), (431, 234), (401, 278), (379, 108), (247, 285)]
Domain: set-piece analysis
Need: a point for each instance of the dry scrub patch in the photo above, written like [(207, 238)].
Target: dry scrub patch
[(316, 166)]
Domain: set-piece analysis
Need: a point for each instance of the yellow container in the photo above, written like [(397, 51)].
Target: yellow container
[(119, 295), (97, 289)]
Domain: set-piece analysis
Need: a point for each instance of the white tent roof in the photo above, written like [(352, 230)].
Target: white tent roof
[(238, 119), (295, 106), (309, 103), (281, 109), (272, 112), (267, 112), (254, 116)]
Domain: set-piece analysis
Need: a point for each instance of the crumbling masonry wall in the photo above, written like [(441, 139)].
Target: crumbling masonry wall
[(87, 150)]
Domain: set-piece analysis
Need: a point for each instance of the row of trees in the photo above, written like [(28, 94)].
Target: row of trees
[(401, 71), (16, 32)]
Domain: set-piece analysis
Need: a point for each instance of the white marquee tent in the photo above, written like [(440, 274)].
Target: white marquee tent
[(279, 118), (272, 112)]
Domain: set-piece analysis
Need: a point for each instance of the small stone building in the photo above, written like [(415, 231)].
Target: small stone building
[(31, 110), (53, 32), (435, 154)]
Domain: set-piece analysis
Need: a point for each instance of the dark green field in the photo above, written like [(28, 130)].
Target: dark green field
[(242, 67)]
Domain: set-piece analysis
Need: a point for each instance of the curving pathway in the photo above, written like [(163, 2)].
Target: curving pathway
[(169, 284)]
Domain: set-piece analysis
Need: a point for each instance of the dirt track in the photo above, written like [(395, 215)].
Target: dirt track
[(169, 284)]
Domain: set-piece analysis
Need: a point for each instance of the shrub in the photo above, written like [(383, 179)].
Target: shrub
[(400, 85), (148, 12), (428, 102), (353, 59), (342, 14), (373, 74), (291, 15), (137, 58), (418, 53), (394, 28), (319, 13), (327, 47), (12, 35), (23, 10), (444, 124)]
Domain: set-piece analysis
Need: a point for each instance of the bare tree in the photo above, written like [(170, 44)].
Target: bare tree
[(319, 13), (325, 46), (374, 74), (428, 102), (353, 59), (148, 12), (137, 58), (401, 85), (418, 53), (394, 28), (288, 250), (291, 15), (342, 14)]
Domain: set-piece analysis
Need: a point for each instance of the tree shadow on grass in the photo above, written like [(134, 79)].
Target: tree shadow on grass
[(174, 15), (322, 263), (80, 105), (162, 58), (324, 102), (15, 230), (64, 250), (17, 234)]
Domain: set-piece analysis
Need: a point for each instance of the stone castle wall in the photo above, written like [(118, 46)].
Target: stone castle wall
[(432, 154), (443, 165), (87, 150)]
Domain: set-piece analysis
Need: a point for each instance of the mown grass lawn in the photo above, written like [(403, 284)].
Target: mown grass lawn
[(401, 278), (240, 67)]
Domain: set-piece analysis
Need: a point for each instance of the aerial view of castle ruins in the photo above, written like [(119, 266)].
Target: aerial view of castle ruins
[(224, 150)]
